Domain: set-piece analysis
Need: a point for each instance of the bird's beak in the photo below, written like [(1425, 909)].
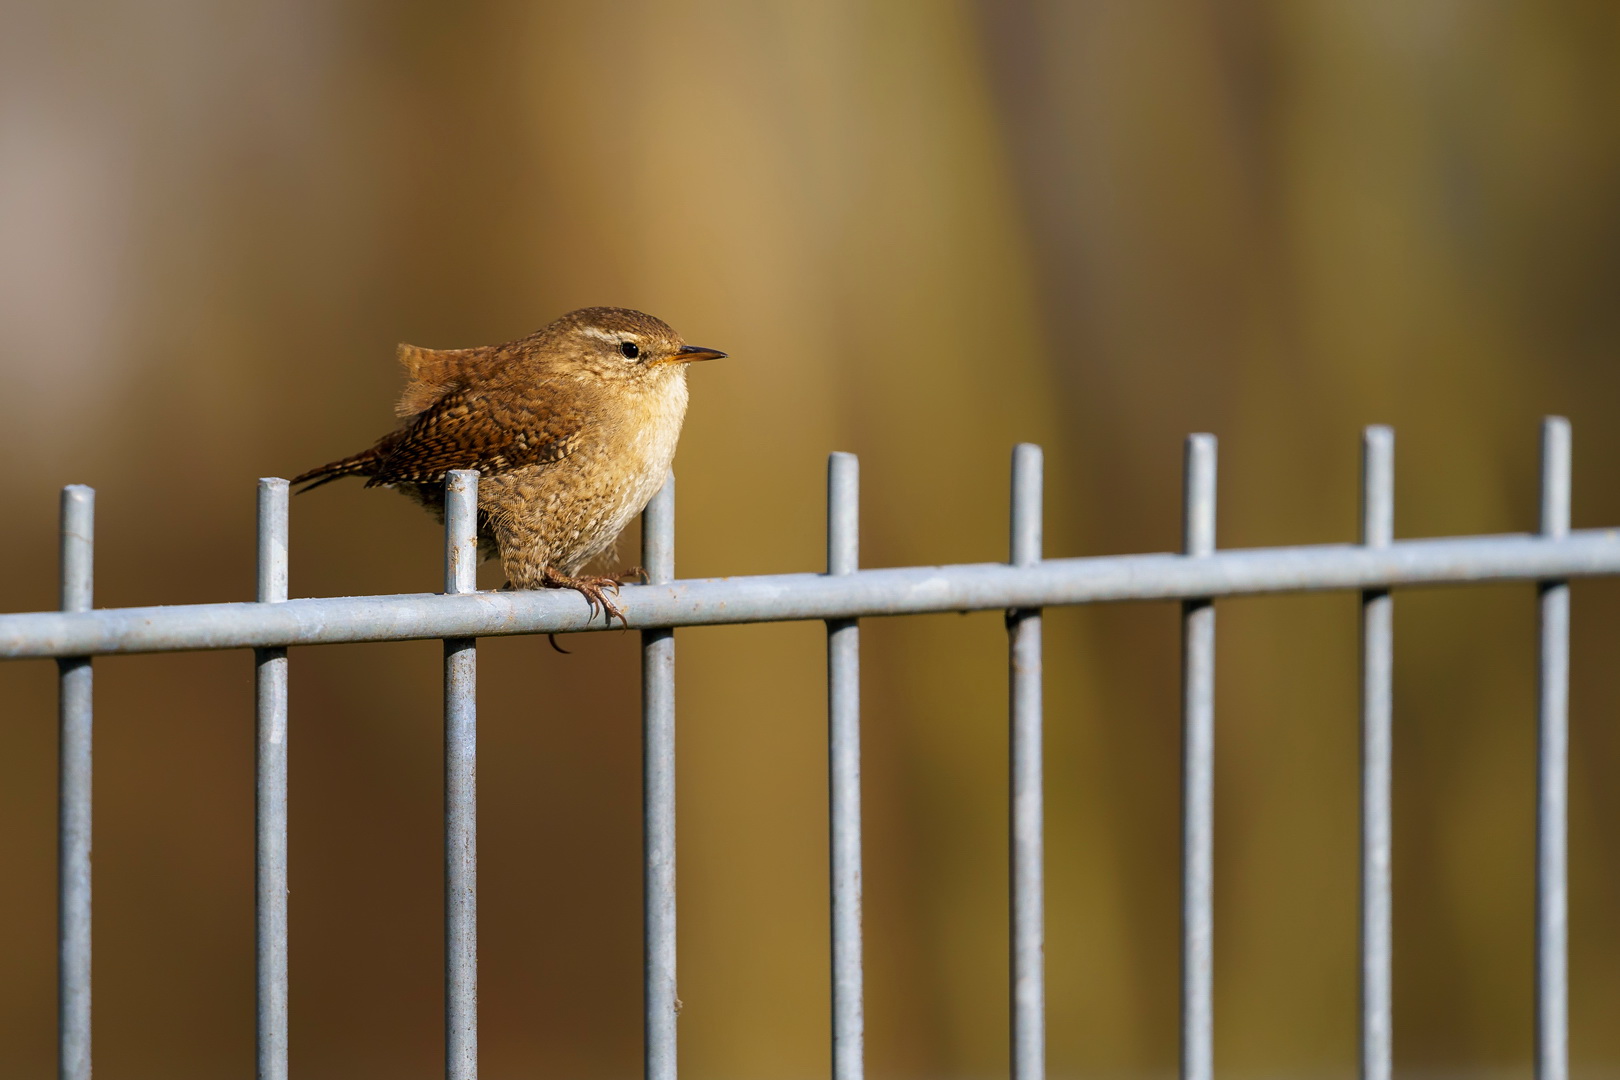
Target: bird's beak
[(690, 353)]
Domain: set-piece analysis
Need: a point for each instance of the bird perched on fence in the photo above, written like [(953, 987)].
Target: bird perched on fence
[(572, 430)]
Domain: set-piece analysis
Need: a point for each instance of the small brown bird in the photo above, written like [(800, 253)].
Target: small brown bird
[(572, 430)]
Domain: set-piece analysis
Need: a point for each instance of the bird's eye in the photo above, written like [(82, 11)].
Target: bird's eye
[(630, 349)]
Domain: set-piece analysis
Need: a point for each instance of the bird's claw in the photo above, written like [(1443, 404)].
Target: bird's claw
[(591, 588)]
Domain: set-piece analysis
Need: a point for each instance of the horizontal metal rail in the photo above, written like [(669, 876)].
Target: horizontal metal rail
[(787, 597)]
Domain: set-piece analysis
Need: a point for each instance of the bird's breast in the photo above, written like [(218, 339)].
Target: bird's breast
[(651, 427), (628, 461)]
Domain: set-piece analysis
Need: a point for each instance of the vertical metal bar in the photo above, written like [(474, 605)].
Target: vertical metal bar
[(1026, 843), (1198, 775), (270, 794), (844, 777), (1552, 772), (73, 794), (658, 795), (1377, 673), (461, 788)]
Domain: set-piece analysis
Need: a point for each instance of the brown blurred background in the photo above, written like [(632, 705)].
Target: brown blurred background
[(924, 231)]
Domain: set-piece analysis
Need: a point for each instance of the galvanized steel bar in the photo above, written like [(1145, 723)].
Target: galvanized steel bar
[(1198, 774), (73, 795), (1026, 840), (461, 788), (270, 794), (783, 597), (658, 796), (1377, 667), (1552, 771), (844, 777)]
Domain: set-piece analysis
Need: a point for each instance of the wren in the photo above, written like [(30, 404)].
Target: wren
[(572, 430)]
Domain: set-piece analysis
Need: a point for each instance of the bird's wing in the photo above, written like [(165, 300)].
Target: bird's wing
[(464, 430)]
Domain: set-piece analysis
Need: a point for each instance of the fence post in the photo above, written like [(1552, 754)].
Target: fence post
[(1026, 841), (270, 794), (1198, 776), (844, 777), (1552, 771), (658, 796), (461, 788), (73, 795), (1377, 667)]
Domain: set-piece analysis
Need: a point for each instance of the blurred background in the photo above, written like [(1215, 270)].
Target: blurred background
[(924, 231)]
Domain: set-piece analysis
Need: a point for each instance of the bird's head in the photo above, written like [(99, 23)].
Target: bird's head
[(622, 345)]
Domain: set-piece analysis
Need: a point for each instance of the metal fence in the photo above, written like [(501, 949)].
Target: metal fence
[(1022, 586)]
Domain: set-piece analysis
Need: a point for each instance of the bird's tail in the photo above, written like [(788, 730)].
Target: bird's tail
[(360, 464)]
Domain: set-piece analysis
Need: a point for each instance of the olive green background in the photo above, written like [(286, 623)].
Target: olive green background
[(924, 231)]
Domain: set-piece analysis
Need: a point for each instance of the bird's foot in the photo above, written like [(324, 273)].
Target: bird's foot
[(636, 573), (591, 588)]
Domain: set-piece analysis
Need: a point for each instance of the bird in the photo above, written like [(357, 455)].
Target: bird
[(571, 429)]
